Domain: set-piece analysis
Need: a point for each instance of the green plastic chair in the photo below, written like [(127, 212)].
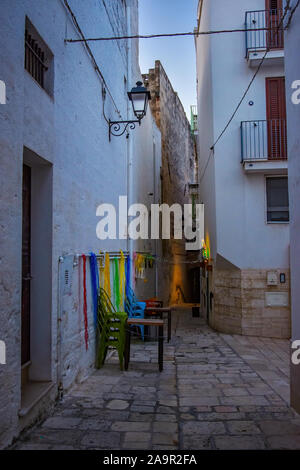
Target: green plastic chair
[(110, 329)]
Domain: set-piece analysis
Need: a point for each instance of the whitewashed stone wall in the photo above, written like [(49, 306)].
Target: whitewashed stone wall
[(178, 166), (292, 69), (66, 137), (236, 233)]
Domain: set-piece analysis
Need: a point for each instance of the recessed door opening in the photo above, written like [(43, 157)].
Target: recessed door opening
[(36, 371)]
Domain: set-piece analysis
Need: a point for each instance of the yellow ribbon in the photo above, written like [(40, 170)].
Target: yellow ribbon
[(101, 271), (122, 279)]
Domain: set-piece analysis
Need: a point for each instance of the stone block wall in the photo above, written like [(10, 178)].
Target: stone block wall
[(258, 319), (240, 305), (227, 306), (178, 170)]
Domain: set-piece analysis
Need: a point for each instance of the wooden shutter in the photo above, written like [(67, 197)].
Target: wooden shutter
[(275, 38), (273, 4), (276, 118)]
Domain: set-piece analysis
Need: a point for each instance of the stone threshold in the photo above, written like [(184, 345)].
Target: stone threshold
[(32, 393)]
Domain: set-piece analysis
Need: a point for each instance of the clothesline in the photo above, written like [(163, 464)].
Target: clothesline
[(112, 254), (157, 259)]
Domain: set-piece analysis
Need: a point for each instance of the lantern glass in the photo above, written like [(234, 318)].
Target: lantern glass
[(139, 104), (139, 97)]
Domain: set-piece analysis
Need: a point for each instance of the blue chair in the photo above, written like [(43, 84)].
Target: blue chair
[(135, 309)]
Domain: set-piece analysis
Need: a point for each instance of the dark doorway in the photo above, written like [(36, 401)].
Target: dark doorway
[(26, 266), (194, 278)]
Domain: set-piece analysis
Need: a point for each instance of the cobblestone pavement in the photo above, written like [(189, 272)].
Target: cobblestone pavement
[(215, 392)]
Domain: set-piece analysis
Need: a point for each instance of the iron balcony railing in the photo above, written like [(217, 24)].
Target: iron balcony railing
[(264, 140), (260, 39), (194, 119)]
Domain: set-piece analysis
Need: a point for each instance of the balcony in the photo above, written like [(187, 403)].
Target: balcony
[(264, 146), (258, 40), (194, 120)]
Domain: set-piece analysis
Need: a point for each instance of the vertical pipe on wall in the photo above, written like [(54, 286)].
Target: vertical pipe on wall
[(129, 140), (155, 202), (59, 331)]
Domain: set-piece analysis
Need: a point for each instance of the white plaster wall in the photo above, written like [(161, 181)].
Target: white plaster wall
[(242, 235), (206, 167), (69, 132), (146, 165), (292, 68)]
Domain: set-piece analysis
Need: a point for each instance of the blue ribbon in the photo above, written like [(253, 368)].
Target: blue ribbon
[(128, 268)]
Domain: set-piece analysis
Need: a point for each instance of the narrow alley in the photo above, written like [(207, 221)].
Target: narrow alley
[(150, 227), (216, 392)]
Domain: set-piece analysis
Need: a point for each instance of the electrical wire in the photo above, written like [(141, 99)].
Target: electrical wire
[(168, 35), (287, 7), (279, 27), (206, 164), (90, 53), (292, 14)]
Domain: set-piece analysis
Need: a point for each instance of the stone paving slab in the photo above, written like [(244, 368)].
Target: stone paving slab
[(216, 392)]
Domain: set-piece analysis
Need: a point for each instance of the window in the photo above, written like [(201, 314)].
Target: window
[(38, 58), (277, 199)]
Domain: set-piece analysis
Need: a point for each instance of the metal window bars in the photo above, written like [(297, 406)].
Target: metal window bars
[(35, 59)]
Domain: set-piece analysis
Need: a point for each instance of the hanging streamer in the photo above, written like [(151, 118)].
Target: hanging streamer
[(133, 267), (122, 280), (107, 275), (140, 266), (95, 284), (86, 333), (128, 274), (116, 284), (101, 270)]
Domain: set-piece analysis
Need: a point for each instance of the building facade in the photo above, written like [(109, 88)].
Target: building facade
[(178, 172), (292, 70), (243, 174), (57, 166)]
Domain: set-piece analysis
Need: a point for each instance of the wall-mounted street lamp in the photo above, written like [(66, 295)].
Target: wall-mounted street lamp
[(139, 97)]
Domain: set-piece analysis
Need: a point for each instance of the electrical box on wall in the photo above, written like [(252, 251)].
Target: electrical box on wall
[(282, 278), (272, 278)]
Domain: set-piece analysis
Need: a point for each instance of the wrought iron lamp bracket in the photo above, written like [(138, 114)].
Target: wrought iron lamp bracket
[(118, 128)]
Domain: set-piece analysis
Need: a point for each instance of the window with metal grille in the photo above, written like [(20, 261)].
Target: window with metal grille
[(277, 199), (38, 58)]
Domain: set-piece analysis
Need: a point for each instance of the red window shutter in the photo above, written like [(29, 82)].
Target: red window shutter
[(273, 4), (276, 117), (274, 37)]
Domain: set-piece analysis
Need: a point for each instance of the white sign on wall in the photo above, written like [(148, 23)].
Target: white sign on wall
[(2, 92), (277, 299), (2, 353)]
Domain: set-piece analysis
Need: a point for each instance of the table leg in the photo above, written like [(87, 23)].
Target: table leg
[(160, 347), (169, 325), (127, 347)]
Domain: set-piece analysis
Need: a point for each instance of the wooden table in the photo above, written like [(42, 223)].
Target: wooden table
[(160, 311), (147, 322)]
